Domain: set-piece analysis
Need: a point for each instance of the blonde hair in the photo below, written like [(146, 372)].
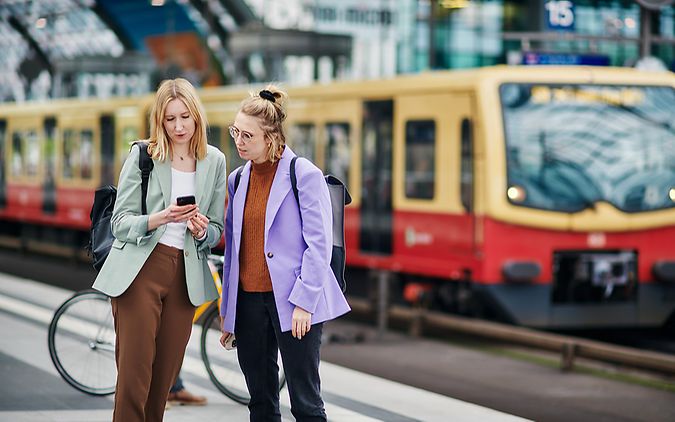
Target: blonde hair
[(268, 106), (159, 146)]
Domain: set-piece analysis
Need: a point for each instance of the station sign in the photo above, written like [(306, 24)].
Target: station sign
[(565, 59)]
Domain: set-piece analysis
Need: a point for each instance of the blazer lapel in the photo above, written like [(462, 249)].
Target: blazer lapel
[(201, 178), (281, 185), (163, 171), (238, 203)]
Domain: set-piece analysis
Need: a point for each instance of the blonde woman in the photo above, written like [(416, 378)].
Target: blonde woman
[(157, 269)]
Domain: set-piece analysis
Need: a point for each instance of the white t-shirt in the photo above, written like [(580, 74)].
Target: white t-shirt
[(182, 184)]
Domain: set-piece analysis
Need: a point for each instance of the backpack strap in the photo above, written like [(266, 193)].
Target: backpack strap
[(145, 164), (294, 180), (237, 178)]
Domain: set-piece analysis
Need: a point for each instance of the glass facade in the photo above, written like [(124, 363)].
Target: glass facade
[(451, 34)]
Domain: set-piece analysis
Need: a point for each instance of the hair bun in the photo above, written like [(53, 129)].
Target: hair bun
[(267, 95)]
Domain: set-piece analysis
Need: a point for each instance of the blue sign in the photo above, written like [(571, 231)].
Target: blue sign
[(532, 58), (559, 15)]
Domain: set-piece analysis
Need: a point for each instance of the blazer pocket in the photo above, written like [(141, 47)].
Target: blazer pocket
[(118, 244)]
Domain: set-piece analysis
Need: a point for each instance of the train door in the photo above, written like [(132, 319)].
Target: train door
[(49, 179), (128, 124), (376, 177), (3, 160), (107, 126), (433, 193), (338, 130)]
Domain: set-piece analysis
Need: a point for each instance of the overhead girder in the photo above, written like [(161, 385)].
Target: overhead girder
[(240, 11), (111, 23), (18, 27)]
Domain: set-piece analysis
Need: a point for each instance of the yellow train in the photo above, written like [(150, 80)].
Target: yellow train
[(544, 194)]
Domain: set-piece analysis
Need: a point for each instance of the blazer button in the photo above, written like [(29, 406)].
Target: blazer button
[(187, 253), (270, 255)]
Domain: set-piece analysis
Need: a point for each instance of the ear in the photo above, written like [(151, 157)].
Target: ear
[(270, 138)]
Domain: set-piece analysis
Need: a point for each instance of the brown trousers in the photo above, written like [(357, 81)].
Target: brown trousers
[(153, 320)]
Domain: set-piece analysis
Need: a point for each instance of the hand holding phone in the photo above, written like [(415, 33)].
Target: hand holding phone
[(185, 200)]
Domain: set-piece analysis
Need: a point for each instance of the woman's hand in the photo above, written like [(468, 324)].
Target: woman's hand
[(301, 322), (172, 214), (198, 225), (179, 213), (224, 339)]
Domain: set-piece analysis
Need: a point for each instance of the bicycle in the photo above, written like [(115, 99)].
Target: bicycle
[(81, 340)]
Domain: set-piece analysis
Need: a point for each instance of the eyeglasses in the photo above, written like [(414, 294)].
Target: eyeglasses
[(235, 132)]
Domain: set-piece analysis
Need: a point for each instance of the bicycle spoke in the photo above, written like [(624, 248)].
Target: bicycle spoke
[(81, 343)]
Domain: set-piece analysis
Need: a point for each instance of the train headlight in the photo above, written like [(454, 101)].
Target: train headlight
[(516, 193), (521, 271), (671, 194)]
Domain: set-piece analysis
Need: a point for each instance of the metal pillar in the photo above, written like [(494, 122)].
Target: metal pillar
[(645, 32), (383, 280)]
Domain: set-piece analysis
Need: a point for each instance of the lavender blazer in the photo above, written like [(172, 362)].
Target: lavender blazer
[(297, 251)]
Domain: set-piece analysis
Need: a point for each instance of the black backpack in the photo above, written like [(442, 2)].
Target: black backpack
[(339, 197), (101, 237)]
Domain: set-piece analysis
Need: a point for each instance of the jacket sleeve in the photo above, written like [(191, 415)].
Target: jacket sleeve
[(227, 262), (317, 221), (128, 224), (216, 207)]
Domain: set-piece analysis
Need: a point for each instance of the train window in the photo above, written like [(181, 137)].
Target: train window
[(303, 139), (420, 149), (129, 134), (50, 150), (337, 151), (86, 154), (466, 187), (17, 155), (25, 153), (78, 148), (69, 160), (32, 157)]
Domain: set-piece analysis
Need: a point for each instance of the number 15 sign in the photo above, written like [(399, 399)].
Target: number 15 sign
[(560, 15)]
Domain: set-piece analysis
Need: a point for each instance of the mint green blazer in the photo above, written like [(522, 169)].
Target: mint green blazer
[(133, 242)]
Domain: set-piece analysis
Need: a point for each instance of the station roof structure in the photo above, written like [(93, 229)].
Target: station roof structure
[(35, 36), (43, 39)]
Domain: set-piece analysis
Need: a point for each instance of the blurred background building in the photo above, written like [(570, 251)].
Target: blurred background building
[(102, 48)]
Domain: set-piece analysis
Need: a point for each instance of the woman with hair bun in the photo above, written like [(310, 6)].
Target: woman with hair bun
[(278, 287)]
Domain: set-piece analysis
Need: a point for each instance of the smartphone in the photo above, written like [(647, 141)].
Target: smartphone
[(231, 342), (185, 200)]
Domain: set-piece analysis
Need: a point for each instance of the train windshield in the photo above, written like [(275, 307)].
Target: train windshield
[(571, 146)]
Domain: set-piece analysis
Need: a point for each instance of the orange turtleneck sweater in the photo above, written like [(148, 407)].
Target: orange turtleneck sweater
[(254, 276)]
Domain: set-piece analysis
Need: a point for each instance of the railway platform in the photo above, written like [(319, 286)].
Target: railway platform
[(389, 378)]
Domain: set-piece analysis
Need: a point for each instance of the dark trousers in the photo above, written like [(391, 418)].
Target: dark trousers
[(259, 337), (153, 320)]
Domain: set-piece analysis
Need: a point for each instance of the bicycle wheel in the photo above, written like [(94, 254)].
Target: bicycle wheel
[(222, 365), (82, 343)]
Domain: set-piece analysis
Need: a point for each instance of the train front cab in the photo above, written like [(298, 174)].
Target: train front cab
[(579, 198)]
